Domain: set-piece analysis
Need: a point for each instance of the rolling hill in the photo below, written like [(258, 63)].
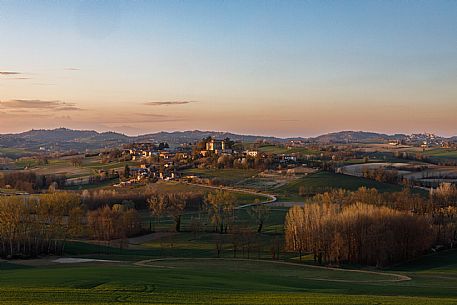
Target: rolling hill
[(63, 139)]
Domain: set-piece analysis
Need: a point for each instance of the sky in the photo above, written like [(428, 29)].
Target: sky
[(282, 68)]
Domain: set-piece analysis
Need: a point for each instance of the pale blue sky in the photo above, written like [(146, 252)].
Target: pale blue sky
[(267, 67)]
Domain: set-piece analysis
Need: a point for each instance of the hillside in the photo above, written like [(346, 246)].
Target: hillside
[(180, 137), (63, 139), (356, 137)]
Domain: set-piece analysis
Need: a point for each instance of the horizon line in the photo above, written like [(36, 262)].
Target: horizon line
[(224, 131)]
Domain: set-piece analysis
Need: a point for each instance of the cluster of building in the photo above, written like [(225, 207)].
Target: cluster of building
[(216, 147), (140, 151), (149, 172), (424, 140), (221, 147)]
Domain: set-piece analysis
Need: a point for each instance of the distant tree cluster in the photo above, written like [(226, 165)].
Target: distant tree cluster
[(235, 161), (38, 225), (99, 198), (382, 175), (29, 181), (116, 222)]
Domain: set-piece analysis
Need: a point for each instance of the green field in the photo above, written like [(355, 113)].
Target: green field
[(183, 268), (13, 153), (442, 154), (226, 281), (324, 181), (275, 149), (314, 183), (228, 176)]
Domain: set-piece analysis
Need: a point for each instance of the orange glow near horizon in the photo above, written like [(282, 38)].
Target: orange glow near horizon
[(297, 69)]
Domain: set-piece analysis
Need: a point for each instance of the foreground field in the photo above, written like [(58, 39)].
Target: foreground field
[(226, 281)]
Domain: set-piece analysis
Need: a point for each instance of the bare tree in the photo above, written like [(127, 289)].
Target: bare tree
[(260, 213), (220, 206), (157, 205)]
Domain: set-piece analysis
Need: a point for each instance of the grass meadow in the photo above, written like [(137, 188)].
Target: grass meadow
[(227, 281)]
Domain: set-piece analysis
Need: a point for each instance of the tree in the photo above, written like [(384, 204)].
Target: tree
[(31, 226), (260, 213), (126, 171), (53, 187), (77, 161), (220, 206), (175, 208), (157, 205)]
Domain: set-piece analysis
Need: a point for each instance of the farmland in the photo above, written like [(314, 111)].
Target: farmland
[(442, 154), (324, 181), (226, 281), (223, 251), (225, 176), (64, 166), (287, 187), (13, 153)]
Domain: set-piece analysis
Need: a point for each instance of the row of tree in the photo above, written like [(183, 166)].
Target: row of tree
[(35, 225), (369, 227), (357, 233)]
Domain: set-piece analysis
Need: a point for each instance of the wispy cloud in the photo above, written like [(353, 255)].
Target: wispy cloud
[(13, 75), (9, 73), (68, 107), (169, 103), (16, 78), (72, 69), (39, 105), (151, 115)]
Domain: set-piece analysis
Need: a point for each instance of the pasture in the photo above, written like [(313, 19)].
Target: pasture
[(287, 188), (324, 181), (226, 281), (276, 149), (13, 153), (229, 176), (442, 154)]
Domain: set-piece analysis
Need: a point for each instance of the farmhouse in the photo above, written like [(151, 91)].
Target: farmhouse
[(288, 158), (252, 153)]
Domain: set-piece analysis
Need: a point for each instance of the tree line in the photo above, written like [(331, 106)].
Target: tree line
[(29, 181), (37, 225), (368, 227)]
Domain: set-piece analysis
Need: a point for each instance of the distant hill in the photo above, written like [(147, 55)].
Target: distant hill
[(63, 139), (356, 137), (180, 137)]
